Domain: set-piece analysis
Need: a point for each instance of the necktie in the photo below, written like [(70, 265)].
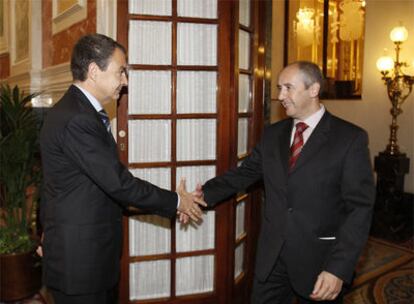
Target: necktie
[(105, 119), (297, 144)]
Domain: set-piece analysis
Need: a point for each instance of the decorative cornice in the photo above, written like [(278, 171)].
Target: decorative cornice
[(22, 80), (52, 81), (56, 79)]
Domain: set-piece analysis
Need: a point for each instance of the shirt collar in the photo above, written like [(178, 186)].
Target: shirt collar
[(94, 102), (314, 119)]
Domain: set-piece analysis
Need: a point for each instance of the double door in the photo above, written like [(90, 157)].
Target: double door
[(193, 109)]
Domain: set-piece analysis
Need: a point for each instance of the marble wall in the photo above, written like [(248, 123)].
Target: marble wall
[(47, 67), (57, 47)]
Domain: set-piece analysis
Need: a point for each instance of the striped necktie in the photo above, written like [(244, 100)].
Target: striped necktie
[(297, 144), (105, 119)]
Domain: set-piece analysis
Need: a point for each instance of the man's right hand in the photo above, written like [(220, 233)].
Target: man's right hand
[(189, 204)]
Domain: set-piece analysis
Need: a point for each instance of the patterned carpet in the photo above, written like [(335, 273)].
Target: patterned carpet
[(384, 275)]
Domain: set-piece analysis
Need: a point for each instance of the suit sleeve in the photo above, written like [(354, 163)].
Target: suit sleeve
[(90, 150), (358, 194), (222, 187)]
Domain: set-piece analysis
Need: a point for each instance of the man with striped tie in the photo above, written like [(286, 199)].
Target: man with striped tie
[(319, 195), (85, 184)]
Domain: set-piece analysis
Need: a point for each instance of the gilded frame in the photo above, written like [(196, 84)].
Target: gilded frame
[(322, 32)]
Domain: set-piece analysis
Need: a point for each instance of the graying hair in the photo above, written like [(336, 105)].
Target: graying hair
[(311, 74)]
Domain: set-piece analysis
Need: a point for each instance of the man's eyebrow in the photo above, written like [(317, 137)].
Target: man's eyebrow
[(286, 84)]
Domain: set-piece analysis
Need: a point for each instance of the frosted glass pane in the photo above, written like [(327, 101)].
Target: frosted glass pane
[(196, 44), (196, 237), (244, 12), (195, 174), (196, 92), (149, 280), (238, 260), (244, 93), (150, 7), (242, 133), (244, 49), (149, 42), (196, 139), (149, 234), (197, 8), (160, 177), (149, 141), (149, 92), (194, 275), (240, 216)]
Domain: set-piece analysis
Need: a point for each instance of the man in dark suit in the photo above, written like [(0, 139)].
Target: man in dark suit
[(319, 195), (85, 184)]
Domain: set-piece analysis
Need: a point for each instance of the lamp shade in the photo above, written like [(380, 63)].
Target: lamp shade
[(385, 63), (399, 34)]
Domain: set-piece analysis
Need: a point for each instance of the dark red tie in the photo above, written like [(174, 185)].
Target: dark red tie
[(297, 144)]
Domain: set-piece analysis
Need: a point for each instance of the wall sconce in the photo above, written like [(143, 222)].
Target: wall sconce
[(399, 85)]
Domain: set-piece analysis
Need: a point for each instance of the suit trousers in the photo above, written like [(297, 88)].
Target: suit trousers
[(104, 297), (278, 290)]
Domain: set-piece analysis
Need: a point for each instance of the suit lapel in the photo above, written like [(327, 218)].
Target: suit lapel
[(315, 142)]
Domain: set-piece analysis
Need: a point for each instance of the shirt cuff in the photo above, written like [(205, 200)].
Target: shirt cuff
[(178, 201)]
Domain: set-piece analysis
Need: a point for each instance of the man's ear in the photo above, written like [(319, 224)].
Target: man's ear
[(314, 89), (93, 71)]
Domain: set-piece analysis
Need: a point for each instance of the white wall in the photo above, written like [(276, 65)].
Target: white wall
[(373, 111)]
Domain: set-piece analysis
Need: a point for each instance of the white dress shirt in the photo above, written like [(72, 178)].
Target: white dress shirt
[(312, 121), (94, 102)]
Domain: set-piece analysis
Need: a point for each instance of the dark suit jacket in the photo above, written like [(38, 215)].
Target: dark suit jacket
[(329, 194), (85, 188)]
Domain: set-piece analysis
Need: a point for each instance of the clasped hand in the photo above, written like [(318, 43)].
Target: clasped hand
[(190, 203)]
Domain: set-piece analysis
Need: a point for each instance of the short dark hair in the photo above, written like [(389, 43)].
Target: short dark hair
[(92, 48), (311, 74)]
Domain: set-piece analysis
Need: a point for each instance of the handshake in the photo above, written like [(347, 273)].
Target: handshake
[(190, 202)]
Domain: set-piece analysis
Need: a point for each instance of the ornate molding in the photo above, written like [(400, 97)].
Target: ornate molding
[(22, 80), (56, 79)]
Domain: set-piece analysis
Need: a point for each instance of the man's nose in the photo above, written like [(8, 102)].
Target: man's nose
[(281, 95)]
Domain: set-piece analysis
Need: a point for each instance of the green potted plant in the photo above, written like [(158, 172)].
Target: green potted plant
[(19, 179)]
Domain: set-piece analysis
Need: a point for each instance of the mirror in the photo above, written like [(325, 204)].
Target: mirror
[(331, 34)]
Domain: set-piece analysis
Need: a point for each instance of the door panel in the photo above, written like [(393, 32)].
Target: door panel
[(189, 111)]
